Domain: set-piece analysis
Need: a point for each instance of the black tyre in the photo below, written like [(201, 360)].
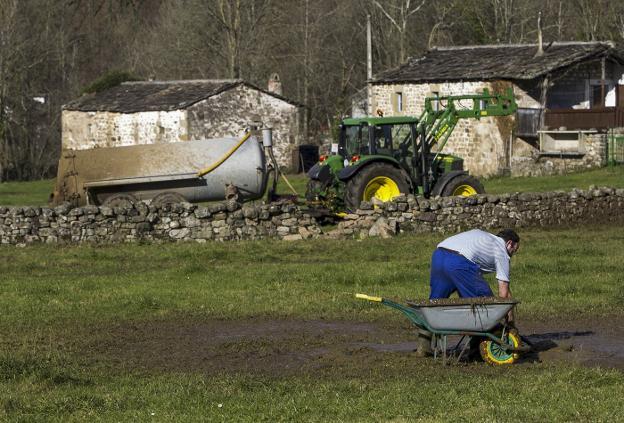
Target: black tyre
[(120, 200), (314, 188), (464, 186), (168, 197), (379, 181)]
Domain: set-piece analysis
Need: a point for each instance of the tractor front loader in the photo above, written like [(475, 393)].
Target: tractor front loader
[(379, 158)]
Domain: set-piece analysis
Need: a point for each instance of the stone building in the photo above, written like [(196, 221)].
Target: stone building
[(150, 112), (569, 97)]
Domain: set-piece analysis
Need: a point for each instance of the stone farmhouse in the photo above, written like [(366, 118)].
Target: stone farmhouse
[(570, 98), (150, 112)]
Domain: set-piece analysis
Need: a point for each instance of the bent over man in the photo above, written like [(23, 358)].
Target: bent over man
[(458, 263)]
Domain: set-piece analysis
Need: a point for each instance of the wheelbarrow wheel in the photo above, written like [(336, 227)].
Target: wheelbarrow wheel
[(495, 354)]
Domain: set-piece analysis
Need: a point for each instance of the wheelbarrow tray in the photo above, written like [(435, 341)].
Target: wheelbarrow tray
[(469, 315)]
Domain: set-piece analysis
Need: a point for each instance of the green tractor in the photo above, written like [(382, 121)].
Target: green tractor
[(379, 158)]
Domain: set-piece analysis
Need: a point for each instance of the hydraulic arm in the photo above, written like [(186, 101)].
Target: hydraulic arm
[(441, 114)]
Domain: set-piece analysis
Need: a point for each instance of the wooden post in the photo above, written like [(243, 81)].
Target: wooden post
[(602, 83), (369, 66), (543, 96)]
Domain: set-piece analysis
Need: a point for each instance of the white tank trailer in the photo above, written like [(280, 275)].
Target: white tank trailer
[(193, 171)]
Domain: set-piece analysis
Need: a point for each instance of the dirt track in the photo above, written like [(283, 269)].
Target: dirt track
[(283, 347)]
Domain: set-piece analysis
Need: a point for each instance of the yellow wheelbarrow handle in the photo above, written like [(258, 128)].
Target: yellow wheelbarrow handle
[(369, 298)]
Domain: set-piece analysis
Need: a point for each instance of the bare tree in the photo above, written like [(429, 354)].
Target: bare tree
[(398, 13)]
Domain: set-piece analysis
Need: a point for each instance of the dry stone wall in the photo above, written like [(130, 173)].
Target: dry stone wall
[(287, 221)]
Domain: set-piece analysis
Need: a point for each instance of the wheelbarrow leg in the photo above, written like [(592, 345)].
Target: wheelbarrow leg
[(463, 347)]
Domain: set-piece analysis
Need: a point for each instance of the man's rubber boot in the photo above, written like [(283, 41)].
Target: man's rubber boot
[(423, 343)]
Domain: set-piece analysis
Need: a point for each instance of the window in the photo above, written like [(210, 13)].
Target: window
[(354, 140), (397, 102), (600, 98), (435, 103), (393, 140)]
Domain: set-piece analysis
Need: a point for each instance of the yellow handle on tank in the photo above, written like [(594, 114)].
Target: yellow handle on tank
[(218, 163)]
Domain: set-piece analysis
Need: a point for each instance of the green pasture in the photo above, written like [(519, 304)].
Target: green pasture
[(36, 193), (55, 300)]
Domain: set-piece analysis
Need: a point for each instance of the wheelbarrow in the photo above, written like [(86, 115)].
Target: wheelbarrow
[(481, 318)]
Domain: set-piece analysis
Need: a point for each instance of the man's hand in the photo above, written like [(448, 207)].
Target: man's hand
[(505, 292), (503, 289)]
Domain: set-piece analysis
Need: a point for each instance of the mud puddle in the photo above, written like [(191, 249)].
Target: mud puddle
[(284, 347), (589, 342)]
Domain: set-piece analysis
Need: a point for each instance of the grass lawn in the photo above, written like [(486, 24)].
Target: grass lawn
[(59, 304), (36, 193)]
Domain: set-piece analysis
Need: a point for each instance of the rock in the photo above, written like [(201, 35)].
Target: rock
[(383, 228), (365, 205), (232, 205), (294, 237), (179, 233), (216, 207), (202, 212)]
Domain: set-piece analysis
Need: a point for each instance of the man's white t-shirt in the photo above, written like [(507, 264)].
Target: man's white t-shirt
[(484, 249)]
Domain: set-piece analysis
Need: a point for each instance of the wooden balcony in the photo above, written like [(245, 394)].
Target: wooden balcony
[(599, 118)]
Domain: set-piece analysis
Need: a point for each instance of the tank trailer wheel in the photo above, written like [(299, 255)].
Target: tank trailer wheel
[(167, 197), (495, 354), (463, 185), (120, 200), (379, 181)]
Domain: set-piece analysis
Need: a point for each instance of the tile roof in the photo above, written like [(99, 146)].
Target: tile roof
[(505, 61), (143, 96)]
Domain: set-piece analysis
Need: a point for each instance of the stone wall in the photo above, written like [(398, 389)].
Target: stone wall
[(229, 113), (85, 130), (287, 221)]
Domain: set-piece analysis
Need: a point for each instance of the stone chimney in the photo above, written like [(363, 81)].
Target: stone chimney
[(275, 85)]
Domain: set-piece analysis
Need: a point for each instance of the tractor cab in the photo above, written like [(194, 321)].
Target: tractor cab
[(391, 137)]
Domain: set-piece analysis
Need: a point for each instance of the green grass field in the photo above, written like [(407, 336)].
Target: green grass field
[(36, 193), (62, 305)]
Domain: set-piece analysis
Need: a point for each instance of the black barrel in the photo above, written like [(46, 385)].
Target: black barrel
[(304, 157)]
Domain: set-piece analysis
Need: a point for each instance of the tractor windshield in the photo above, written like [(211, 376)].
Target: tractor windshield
[(354, 141), (391, 139)]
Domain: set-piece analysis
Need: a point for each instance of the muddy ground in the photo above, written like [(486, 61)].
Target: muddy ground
[(285, 347)]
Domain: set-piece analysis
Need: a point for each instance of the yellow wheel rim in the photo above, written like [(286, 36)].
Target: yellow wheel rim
[(494, 353), (381, 188), (465, 191)]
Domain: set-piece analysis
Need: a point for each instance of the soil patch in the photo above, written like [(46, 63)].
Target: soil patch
[(273, 347), (285, 347)]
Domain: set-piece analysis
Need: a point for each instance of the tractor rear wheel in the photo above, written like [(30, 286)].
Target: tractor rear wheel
[(377, 181), (464, 186)]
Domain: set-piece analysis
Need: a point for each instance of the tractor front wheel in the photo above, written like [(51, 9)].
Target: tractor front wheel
[(377, 181), (464, 186), (313, 189)]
